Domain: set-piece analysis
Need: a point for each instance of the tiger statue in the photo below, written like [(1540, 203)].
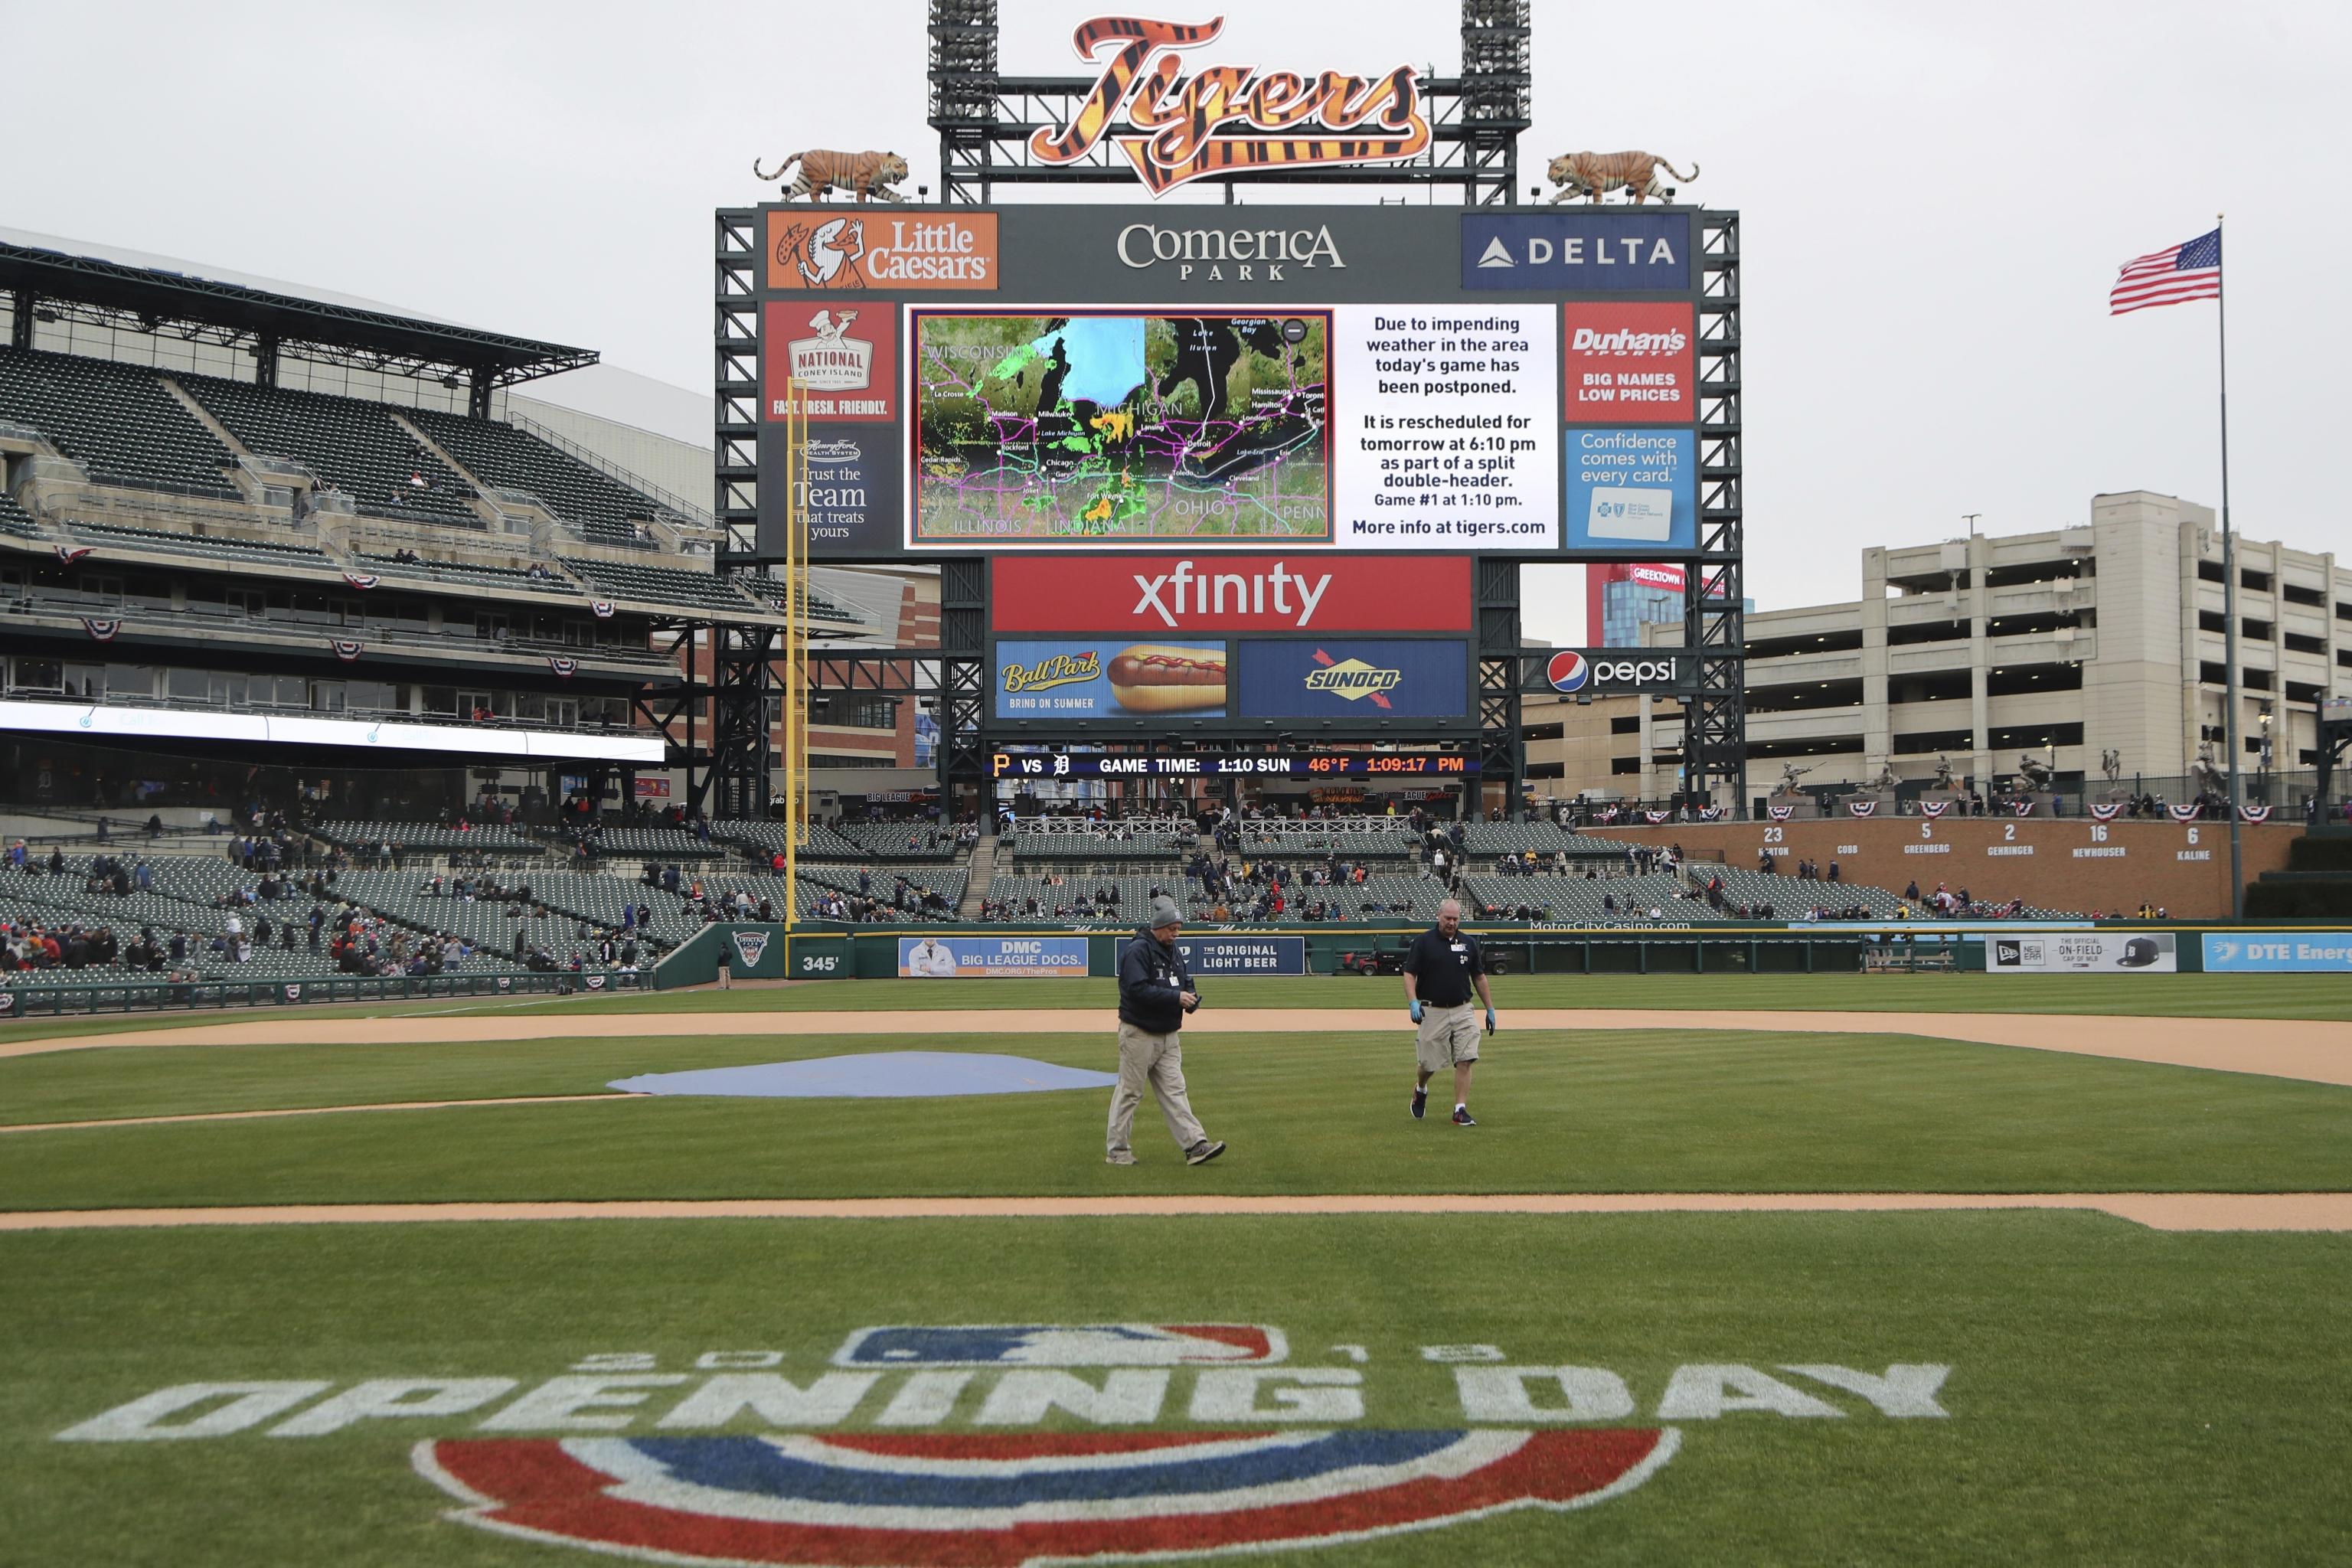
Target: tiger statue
[(1592, 174), (867, 174)]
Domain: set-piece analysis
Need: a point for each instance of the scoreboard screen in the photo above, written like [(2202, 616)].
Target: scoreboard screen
[(1096, 765)]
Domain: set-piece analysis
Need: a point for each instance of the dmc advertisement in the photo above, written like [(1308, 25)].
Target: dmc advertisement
[(1152, 595), (1630, 361), (1577, 252), (1353, 678), (2279, 952), (1220, 955), (1110, 677), (2077, 951), (989, 957), (1632, 489)]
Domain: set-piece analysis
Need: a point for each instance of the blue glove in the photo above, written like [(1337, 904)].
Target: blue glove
[(1414, 1008), (1490, 1020)]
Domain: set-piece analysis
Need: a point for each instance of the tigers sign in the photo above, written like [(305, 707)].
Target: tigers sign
[(1180, 121)]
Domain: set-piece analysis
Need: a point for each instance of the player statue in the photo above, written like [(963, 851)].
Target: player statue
[(2111, 762), (1886, 780), (2207, 772), (1944, 777), (1789, 773), (2033, 772)]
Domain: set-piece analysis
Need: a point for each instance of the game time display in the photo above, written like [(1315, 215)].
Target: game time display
[(1065, 765)]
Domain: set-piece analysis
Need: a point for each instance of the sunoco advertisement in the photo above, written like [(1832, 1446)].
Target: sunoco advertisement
[(2081, 952), (1355, 678)]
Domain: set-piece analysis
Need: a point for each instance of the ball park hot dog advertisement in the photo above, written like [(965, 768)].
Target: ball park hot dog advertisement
[(1110, 678)]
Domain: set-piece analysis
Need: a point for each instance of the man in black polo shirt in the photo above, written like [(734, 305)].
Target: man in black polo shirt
[(1439, 973)]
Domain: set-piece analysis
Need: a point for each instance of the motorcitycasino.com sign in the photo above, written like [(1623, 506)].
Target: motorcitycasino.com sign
[(1004, 1444)]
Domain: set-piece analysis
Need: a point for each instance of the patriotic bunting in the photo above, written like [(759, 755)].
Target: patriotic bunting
[(1935, 807), (2106, 812), (595, 983), (2257, 815), (362, 581), (1710, 814), (603, 608), (1861, 808), (346, 649), (69, 553), (100, 630), (1780, 813), (565, 667), (1658, 818), (2020, 808), (2189, 813)]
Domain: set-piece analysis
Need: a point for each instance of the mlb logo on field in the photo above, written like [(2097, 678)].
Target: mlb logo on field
[(1064, 1345)]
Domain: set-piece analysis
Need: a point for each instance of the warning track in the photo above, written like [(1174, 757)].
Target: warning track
[(2318, 1050), (2159, 1210)]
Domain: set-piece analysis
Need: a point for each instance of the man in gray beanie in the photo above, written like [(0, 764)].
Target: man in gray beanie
[(1154, 994)]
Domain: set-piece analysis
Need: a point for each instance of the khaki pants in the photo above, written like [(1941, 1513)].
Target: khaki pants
[(1448, 1037), (1157, 1060)]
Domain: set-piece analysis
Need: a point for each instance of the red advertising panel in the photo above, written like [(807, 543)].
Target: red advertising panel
[(1631, 364), (842, 354), (1150, 596)]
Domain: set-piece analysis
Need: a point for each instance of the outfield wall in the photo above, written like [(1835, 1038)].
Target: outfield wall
[(2068, 863)]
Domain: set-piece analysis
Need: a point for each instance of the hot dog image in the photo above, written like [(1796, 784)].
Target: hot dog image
[(1150, 678)]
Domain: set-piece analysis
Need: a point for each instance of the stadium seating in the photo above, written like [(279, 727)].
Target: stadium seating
[(116, 420), (505, 579), (1579, 900), (604, 509), (662, 585), (774, 593), (238, 552), (433, 837), (353, 446), (16, 519), (650, 843)]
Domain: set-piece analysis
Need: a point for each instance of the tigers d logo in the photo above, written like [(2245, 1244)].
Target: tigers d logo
[(1002, 1500)]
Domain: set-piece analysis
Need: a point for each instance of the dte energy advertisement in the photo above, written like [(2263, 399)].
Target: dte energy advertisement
[(1312, 380)]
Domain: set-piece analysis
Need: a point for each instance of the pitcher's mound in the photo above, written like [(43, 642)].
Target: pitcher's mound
[(874, 1075)]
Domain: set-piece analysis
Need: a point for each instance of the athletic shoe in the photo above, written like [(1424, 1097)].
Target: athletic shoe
[(1204, 1151), (1419, 1103), (1462, 1117), (1118, 1159)]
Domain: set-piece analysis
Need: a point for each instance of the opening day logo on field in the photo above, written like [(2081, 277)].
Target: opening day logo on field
[(622, 1457)]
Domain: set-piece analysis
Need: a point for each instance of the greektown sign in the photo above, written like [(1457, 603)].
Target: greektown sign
[(1182, 121)]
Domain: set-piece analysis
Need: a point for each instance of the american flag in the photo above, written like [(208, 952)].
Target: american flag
[(2191, 272)]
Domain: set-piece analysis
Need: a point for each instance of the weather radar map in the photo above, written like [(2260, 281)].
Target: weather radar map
[(1102, 427)]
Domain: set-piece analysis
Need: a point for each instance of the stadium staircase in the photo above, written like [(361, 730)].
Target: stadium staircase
[(983, 871)]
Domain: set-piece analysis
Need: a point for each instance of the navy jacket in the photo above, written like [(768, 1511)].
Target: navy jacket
[(1151, 981)]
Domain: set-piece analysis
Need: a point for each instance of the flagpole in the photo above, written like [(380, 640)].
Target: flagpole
[(2229, 600)]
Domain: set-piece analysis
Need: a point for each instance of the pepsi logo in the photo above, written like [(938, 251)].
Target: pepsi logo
[(1569, 670)]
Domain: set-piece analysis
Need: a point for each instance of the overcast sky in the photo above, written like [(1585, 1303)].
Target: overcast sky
[(1934, 200)]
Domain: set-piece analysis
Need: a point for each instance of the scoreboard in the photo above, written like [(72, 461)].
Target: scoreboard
[(1097, 765)]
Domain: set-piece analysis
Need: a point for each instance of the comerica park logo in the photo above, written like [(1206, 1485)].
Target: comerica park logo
[(1003, 1445)]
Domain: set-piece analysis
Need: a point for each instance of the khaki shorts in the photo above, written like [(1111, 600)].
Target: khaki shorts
[(1448, 1037)]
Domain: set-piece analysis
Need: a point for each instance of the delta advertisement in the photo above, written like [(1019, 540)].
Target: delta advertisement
[(1352, 678), (1578, 252), (990, 957), (1211, 956), (2279, 952), (1110, 677), (1152, 595), (1631, 362), (1632, 489), (2078, 951)]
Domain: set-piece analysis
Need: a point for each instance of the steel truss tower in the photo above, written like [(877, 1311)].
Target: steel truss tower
[(984, 118), (1715, 719)]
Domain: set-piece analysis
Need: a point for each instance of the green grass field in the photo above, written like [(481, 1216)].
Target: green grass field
[(2114, 1393)]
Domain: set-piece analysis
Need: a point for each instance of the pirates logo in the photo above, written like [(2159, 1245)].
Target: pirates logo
[(1005, 1500)]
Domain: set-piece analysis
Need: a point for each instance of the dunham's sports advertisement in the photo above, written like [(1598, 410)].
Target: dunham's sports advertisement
[(1315, 380)]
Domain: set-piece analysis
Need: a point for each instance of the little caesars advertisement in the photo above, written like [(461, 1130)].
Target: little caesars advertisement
[(2081, 952)]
